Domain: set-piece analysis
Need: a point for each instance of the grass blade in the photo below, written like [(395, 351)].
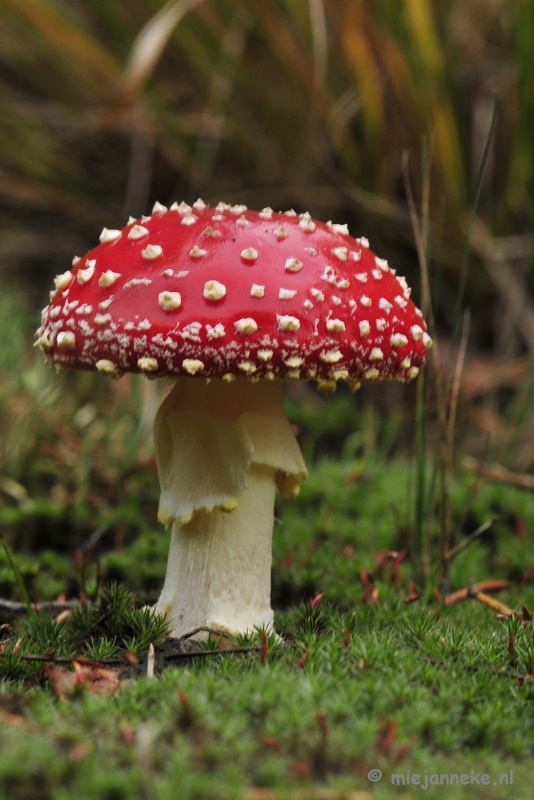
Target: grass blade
[(151, 42), (478, 188), (18, 577)]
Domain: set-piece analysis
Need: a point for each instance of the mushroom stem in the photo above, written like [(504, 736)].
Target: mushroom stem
[(222, 449), (219, 567)]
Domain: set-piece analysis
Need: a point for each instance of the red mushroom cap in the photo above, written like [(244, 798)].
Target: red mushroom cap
[(223, 292)]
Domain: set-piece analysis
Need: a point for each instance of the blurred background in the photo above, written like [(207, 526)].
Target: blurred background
[(410, 120)]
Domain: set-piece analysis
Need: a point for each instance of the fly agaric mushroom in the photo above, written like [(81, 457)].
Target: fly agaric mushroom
[(230, 302)]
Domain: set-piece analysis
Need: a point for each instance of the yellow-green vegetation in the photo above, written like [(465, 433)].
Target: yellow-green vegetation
[(307, 103)]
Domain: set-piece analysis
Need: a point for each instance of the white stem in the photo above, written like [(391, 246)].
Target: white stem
[(222, 450), (219, 567)]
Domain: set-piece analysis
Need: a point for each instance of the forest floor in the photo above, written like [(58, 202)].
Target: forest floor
[(368, 676)]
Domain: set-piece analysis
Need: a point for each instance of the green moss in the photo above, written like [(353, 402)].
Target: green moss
[(446, 683)]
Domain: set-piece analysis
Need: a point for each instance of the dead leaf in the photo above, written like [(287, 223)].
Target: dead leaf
[(387, 735), (323, 725), (258, 793), (8, 718), (301, 770), (127, 734), (79, 752), (264, 652), (402, 752), (261, 793), (302, 660), (271, 742), (85, 678)]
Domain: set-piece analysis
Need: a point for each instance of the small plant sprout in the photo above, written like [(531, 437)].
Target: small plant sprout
[(230, 303)]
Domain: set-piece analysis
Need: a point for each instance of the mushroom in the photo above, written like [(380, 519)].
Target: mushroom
[(230, 302)]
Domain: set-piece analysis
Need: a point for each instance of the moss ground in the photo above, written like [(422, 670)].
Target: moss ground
[(355, 686)]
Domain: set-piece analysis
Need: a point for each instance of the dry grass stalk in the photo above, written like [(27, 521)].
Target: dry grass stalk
[(498, 473)]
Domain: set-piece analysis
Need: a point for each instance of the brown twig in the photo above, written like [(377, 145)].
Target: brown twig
[(496, 605), (53, 605), (224, 651), (470, 591), (203, 629), (475, 592), (52, 659)]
